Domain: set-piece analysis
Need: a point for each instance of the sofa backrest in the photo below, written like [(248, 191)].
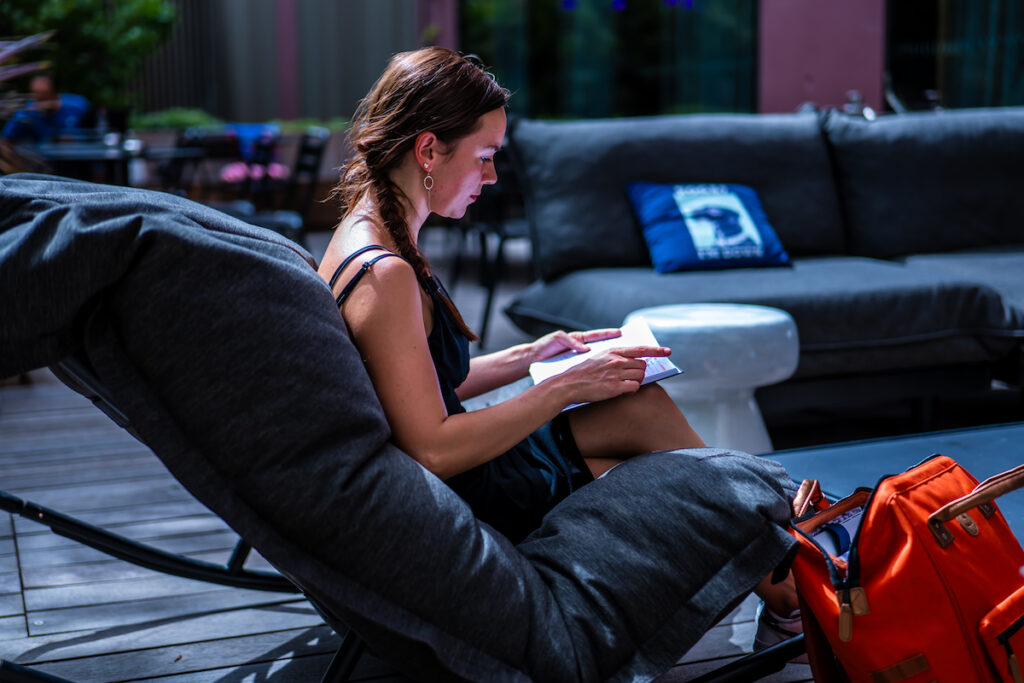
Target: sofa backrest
[(930, 181), (576, 173)]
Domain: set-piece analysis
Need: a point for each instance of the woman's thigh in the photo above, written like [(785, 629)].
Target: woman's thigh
[(630, 425)]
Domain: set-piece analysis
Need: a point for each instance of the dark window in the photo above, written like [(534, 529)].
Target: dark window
[(601, 58), (956, 53)]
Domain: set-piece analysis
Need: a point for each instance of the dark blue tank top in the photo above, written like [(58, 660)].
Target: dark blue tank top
[(449, 348), (514, 491)]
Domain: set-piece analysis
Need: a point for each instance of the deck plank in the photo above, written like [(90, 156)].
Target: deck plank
[(113, 614), (267, 651), (8, 563), (107, 496), (85, 594), (11, 628), (10, 582), (115, 570), (126, 637), (55, 557), (118, 517), (196, 525), (11, 605)]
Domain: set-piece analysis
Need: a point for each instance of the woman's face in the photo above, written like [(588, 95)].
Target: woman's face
[(460, 174)]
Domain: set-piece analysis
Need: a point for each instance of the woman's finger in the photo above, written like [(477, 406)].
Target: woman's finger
[(644, 351), (598, 335)]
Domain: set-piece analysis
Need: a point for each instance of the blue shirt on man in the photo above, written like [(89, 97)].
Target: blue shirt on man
[(32, 124)]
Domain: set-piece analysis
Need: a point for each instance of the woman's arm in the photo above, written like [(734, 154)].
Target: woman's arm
[(386, 316), (497, 369)]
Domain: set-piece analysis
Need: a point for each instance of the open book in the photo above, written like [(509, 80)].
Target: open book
[(634, 333)]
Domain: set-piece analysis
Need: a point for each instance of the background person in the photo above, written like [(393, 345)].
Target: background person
[(47, 114)]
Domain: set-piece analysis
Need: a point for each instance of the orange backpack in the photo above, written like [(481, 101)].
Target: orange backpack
[(917, 580)]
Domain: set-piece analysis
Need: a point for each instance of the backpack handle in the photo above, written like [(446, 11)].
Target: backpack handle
[(981, 497)]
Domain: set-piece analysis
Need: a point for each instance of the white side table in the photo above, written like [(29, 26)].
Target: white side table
[(725, 351)]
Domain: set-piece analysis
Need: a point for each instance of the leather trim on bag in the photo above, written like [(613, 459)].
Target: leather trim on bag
[(902, 671)]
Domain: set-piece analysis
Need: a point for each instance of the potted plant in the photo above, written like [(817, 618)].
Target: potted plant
[(98, 45)]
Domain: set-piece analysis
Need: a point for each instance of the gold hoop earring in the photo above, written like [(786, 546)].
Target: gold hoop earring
[(428, 185)]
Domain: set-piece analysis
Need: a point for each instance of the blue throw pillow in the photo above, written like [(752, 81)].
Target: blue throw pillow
[(703, 227)]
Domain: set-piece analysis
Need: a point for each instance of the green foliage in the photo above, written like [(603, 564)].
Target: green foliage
[(300, 125), (180, 118), (176, 118), (99, 44)]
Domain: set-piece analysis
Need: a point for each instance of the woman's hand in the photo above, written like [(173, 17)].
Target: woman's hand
[(608, 373), (557, 343)]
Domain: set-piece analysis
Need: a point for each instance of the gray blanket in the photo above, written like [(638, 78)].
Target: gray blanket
[(225, 349)]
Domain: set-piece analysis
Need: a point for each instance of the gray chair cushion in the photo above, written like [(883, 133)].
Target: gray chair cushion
[(226, 350), (575, 176), (853, 314), (930, 182)]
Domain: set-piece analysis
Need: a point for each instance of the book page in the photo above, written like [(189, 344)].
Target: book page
[(634, 333)]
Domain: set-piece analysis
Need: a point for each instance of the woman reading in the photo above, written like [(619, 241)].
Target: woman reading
[(424, 141)]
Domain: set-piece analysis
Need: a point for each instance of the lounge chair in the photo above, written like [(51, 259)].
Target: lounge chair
[(224, 350)]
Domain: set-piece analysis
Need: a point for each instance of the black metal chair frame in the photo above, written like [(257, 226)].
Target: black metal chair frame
[(75, 373), (495, 213)]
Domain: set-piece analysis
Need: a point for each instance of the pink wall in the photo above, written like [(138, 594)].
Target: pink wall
[(444, 15), (287, 62), (816, 50)]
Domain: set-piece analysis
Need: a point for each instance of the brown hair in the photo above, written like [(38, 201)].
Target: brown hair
[(433, 89)]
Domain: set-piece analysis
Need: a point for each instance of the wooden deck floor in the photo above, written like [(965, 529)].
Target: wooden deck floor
[(76, 613)]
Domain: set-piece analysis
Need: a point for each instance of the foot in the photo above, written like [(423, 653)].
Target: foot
[(773, 629)]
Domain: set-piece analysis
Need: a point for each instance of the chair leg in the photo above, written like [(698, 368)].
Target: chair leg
[(458, 233), (345, 659), (495, 272), (757, 665), (15, 673)]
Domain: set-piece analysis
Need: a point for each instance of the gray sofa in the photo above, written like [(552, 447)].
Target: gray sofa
[(906, 238)]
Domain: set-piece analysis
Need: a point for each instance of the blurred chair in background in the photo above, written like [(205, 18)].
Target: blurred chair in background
[(289, 219), (496, 216)]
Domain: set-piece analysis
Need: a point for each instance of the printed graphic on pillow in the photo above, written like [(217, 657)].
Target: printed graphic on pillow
[(719, 225), (703, 226)]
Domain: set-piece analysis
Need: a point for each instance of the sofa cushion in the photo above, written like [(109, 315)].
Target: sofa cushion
[(930, 182), (575, 176), (852, 314), (1001, 268), (704, 227), (227, 352)]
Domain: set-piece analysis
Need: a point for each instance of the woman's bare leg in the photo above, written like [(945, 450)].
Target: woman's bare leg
[(781, 597), (608, 432)]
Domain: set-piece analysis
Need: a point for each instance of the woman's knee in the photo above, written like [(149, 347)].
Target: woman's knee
[(629, 425)]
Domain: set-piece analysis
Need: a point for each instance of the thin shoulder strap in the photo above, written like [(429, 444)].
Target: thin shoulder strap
[(350, 285), (348, 260)]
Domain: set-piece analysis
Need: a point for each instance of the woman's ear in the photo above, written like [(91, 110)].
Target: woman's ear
[(426, 149)]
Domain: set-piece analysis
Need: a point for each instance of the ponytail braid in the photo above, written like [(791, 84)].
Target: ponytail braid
[(391, 213)]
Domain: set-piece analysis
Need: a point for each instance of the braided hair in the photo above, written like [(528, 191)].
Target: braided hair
[(432, 89)]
